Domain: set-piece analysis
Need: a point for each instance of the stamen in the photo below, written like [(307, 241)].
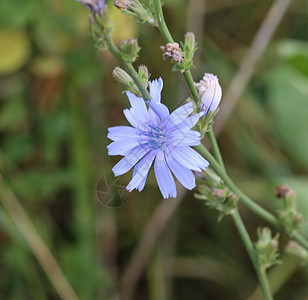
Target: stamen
[(151, 136)]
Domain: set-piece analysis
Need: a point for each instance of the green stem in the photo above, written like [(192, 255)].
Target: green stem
[(215, 148), (246, 200), (168, 38), (257, 209), (190, 82), (261, 273), (162, 26), (241, 227), (128, 67)]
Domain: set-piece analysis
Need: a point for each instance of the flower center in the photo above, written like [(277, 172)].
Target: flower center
[(151, 136)]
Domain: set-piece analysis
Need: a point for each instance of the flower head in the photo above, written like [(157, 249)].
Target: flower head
[(209, 92), (95, 6), (160, 137)]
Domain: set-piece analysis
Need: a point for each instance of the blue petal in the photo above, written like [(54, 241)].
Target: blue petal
[(183, 174), (139, 108), (127, 162), (156, 87), (160, 109), (132, 118), (141, 171), (121, 132), (122, 147), (189, 122), (164, 177), (184, 137), (189, 158), (180, 114)]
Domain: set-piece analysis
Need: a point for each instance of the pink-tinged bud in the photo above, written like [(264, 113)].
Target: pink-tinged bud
[(209, 92), (283, 191)]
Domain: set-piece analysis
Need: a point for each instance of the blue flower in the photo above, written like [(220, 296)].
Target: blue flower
[(95, 6), (209, 92), (160, 137)]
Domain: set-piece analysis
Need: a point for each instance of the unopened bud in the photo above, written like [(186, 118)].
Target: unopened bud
[(265, 236), (190, 47), (122, 77), (190, 40), (144, 75), (267, 247), (130, 50), (173, 51), (289, 197), (123, 4), (282, 191), (209, 93), (95, 6)]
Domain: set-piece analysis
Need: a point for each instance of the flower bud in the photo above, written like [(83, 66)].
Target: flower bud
[(282, 191), (130, 50), (267, 247), (127, 82), (173, 51), (122, 77), (95, 6), (209, 92), (289, 197), (144, 75), (190, 46)]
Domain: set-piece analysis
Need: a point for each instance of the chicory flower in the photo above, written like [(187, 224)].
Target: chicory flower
[(160, 137)]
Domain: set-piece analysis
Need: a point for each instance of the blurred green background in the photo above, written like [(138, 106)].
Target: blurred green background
[(57, 98)]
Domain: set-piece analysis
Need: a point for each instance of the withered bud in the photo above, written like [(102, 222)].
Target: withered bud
[(173, 51), (123, 4), (283, 191)]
